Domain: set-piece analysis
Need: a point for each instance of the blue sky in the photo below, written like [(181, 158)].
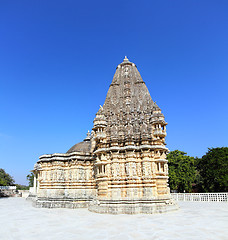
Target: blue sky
[(58, 58)]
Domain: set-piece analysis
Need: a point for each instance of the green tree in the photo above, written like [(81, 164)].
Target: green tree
[(213, 169), (182, 173), (21, 187), (30, 178), (5, 178)]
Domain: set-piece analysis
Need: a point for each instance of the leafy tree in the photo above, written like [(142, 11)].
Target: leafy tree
[(199, 180), (22, 187), (5, 178), (213, 169), (30, 178), (182, 173)]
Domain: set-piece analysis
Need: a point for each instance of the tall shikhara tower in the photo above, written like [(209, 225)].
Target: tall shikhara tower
[(122, 166), (131, 169)]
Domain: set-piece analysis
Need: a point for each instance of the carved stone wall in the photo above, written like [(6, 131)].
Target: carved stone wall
[(64, 180)]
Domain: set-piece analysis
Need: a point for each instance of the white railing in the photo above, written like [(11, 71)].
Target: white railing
[(201, 197), (8, 187), (24, 193)]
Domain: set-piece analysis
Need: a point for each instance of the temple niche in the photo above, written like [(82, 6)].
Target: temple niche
[(121, 166)]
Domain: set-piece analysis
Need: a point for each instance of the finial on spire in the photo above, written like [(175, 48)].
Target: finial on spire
[(125, 59), (88, 136)]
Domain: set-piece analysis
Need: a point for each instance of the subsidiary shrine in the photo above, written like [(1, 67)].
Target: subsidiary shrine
[(121, 166)]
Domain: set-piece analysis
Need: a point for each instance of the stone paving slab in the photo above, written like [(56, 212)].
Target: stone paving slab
[(195, 220)]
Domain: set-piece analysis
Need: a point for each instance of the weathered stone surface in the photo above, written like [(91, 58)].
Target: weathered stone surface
[(121, 167)]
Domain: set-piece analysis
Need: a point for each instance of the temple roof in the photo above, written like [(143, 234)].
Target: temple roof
[(83, 146), (128, 106), (127, 90), (128, 110)]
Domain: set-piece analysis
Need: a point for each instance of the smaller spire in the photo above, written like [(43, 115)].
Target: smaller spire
[(100, 111)]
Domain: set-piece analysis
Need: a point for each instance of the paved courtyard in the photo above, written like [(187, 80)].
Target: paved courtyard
[(195, 220)]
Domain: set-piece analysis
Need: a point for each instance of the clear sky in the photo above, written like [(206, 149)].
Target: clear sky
[(58, 58)]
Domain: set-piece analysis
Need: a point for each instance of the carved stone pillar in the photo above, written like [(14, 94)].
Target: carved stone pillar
[(35, 183)]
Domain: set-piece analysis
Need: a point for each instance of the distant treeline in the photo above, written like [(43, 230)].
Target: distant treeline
[(7, 180)]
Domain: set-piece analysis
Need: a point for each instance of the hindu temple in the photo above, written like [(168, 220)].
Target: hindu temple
[(121, 166)]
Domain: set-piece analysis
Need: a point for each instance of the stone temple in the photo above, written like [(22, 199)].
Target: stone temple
[(121, 166)]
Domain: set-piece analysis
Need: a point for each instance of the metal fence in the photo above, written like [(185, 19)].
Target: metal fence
[(201, 197)]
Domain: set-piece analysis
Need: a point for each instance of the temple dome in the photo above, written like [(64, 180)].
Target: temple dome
[(83, 146)]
